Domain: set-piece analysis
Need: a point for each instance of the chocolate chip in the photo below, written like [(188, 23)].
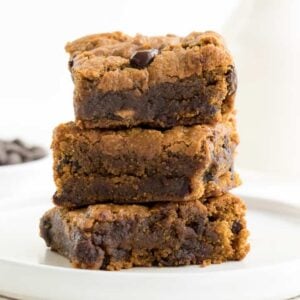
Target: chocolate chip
[(37, 152), (62, 162), (70, 63), (3, 156), (208, 176), (211, 172), (142, 58), (16, 151), (12, 147), (231, 79), (19, 142), (212, 218), (236, 227), (13, 158)]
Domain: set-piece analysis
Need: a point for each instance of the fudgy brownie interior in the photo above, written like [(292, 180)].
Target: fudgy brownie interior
[(112, 237), (142, 165)]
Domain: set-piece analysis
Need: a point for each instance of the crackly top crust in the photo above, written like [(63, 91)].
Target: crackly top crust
[(104, 59)]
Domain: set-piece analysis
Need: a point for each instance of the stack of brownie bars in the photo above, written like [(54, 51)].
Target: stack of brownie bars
[(143, 173)]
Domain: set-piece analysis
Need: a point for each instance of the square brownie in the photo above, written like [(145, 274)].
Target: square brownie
[(157, 82), (142, 165), (112, 237)]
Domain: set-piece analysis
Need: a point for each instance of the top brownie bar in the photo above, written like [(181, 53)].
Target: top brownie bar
[(156, 82)]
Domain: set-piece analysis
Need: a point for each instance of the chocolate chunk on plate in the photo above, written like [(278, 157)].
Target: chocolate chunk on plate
[(16, 152)]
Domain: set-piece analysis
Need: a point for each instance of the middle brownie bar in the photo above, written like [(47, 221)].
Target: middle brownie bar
[(142, 165)]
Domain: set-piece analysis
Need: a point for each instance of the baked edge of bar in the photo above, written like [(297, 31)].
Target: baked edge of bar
[(223, 215)]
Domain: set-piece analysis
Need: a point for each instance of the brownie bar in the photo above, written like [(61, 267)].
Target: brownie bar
[(112, 237), (142, 165), (158, 82)]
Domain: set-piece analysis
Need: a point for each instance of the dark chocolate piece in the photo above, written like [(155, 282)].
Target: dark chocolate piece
[(16, 151), (119, 84), (143, 58)]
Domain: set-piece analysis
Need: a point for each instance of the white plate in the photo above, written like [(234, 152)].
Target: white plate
[(271, 270)]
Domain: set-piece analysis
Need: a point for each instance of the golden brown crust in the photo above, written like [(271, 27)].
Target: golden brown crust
[(158, 82), (105, 58), (90, 42), (142, 165), (111, 237)]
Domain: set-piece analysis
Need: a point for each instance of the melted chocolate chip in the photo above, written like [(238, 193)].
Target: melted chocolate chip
[(236, 227), (231, 79), (212, 218), (208, 176), (211, 172), (142, 58), (70, 63), (198, 226)]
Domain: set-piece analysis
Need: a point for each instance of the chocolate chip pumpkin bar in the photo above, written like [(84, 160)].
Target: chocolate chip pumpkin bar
[(112, 237), (157, 82), (142, 165)]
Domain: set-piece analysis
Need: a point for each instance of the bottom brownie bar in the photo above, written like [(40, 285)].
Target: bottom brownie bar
[(112, 237)]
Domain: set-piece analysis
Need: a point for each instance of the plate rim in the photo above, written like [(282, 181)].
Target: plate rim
[(261, 275), (251, 202)]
